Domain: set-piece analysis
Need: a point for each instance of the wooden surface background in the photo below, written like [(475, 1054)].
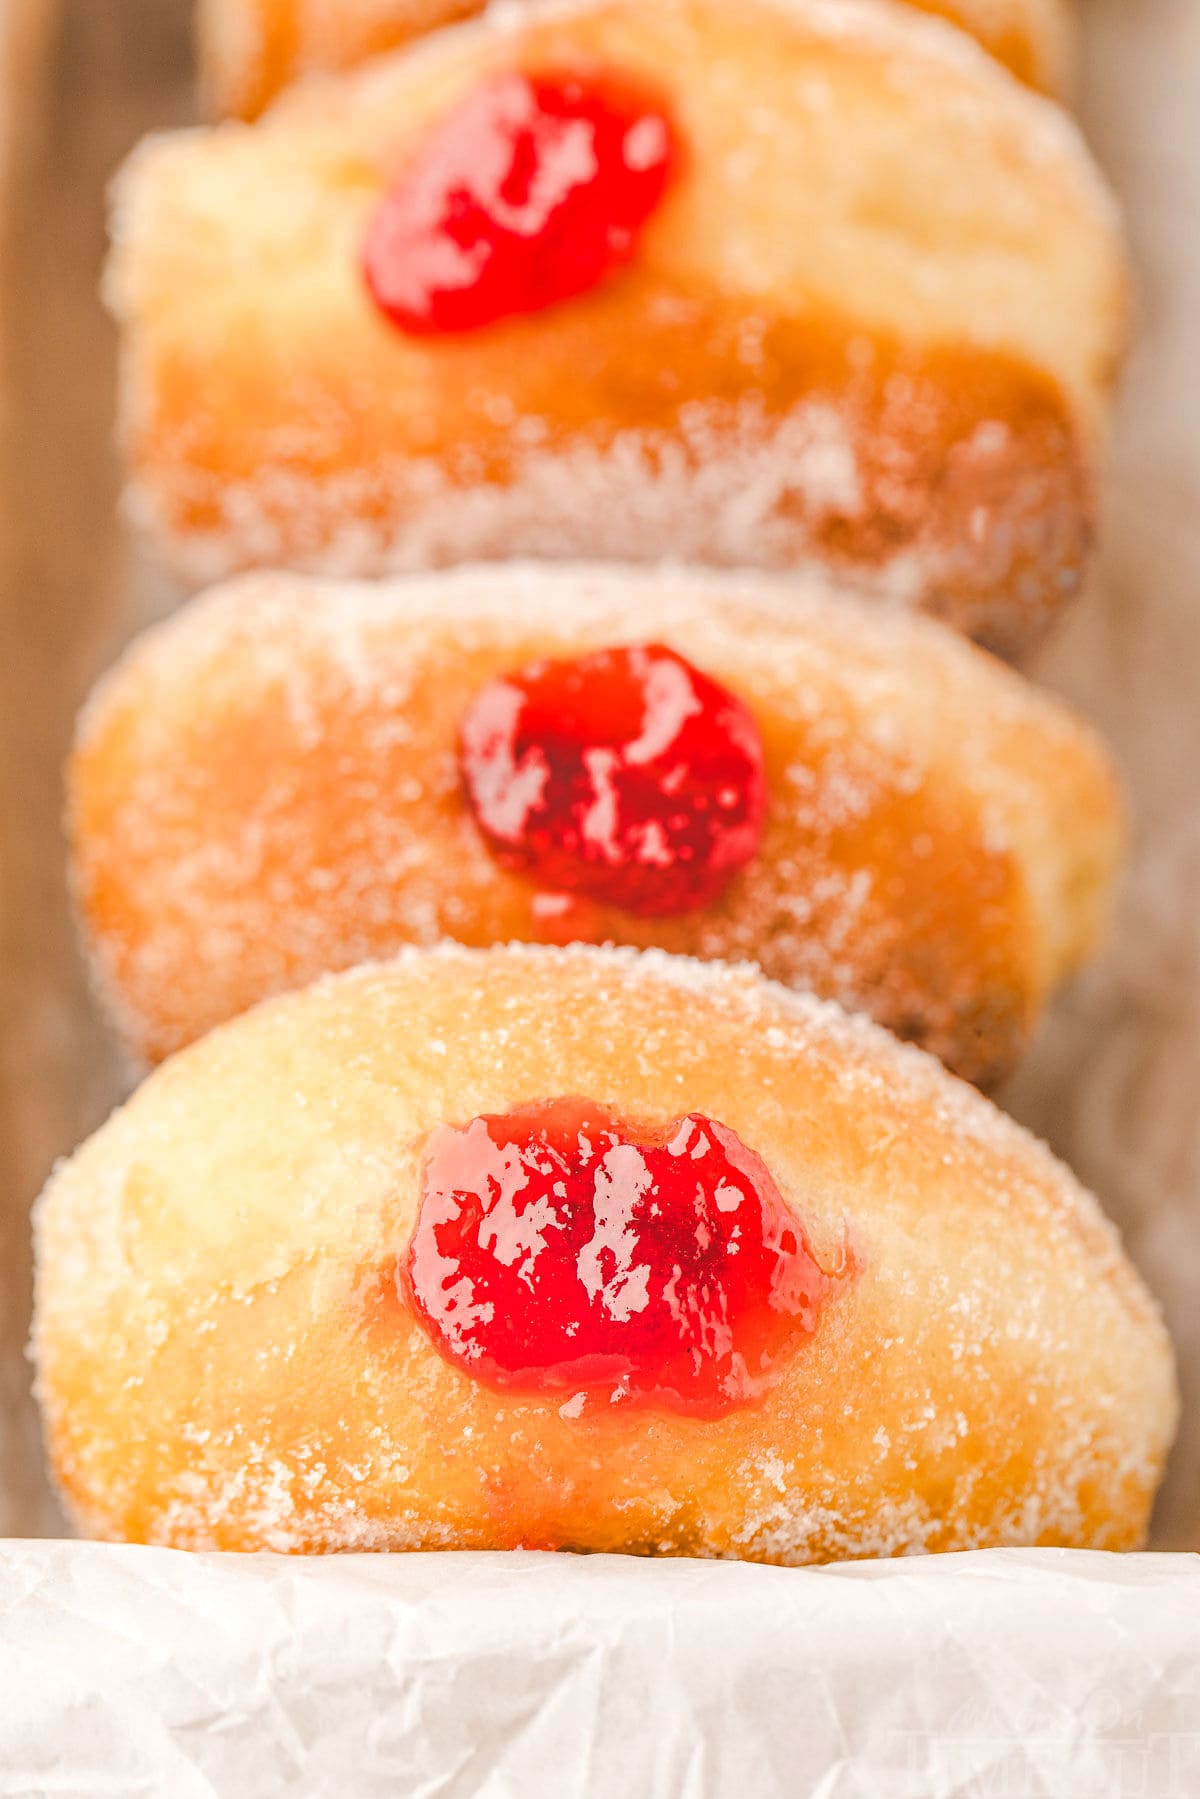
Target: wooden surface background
[(1114, 1083)]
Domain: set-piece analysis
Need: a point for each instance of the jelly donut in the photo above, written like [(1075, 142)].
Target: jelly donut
[(591, 1250), (792, 282), (288, 777), (251, 49)]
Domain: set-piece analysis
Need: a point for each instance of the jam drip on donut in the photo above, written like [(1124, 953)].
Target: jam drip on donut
[(559, 1249), (533, 190), (625, 775)]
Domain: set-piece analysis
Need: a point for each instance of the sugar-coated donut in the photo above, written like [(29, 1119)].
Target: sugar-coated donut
[(279, 1293), (823, 285), (251, 49), (276, 784)]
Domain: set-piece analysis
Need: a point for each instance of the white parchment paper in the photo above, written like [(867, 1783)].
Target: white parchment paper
[(1005, 1672)]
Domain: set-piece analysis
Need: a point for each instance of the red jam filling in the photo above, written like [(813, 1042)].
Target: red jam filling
[(626, 775), (532, 190), (558, 1249)]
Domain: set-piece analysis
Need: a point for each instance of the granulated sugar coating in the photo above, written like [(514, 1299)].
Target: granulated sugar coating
[(269, 788), (873, 325), (225, 1361), (250, 48)]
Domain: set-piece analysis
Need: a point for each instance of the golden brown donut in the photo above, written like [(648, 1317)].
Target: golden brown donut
[(250, 49), (872, 322), (227, 1358), (268, 787)]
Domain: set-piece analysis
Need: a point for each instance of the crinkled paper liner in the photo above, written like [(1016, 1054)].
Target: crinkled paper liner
[(1002, 1672)]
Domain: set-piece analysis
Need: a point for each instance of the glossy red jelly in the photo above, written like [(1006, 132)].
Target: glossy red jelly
[(533, 190), (625, 775), (558, 1249)]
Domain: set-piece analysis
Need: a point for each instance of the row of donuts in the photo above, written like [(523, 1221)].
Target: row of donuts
[(301, 303), (597, 1241)]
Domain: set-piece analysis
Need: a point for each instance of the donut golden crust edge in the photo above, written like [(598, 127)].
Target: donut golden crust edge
[(251, 49), (862, 330), (268, 788), (223, 1361)]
